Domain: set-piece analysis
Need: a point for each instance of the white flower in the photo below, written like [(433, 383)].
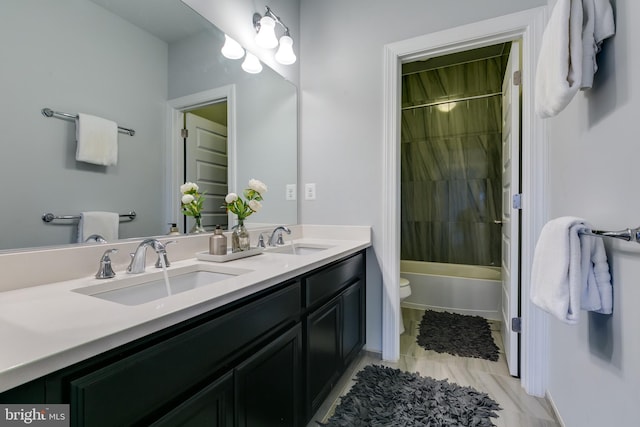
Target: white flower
[(187, 198), (257, 186), (255, 205), (188, 186), (231, 197)]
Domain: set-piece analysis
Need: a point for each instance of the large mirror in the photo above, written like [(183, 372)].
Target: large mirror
[(127, 60)]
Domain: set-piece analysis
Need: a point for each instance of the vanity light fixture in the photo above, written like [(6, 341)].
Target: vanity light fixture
[(251, 64), (232, 49), (266, 36)]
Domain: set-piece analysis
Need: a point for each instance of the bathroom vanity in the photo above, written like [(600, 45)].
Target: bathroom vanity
[(268, 357)]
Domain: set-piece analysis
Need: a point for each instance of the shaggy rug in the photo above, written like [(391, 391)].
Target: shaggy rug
[(457, 334), (385, 396)]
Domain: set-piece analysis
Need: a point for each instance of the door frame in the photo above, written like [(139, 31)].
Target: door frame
[(528, 26), (174, 142)]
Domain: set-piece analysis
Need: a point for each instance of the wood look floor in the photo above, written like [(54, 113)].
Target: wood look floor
[(518, 408)]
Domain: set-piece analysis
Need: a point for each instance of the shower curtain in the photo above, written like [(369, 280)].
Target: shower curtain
[(450, 163)]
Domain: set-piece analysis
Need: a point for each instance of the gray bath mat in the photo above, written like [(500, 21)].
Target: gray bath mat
[(457, 334), (385, 396)]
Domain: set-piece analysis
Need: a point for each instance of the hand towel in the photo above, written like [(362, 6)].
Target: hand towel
[(559, 68), (97, 140), (598, 25), (570, 271), (597, 293), (105, 224)]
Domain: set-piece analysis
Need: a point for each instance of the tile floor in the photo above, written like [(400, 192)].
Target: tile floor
[(518, 408)]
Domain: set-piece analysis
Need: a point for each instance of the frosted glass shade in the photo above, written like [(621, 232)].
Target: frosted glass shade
[(285, 54), (266, 37), (231, 48), (251, 64)]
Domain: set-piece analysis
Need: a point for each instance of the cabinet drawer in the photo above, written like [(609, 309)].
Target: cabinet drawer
[(131, 389), (331, 280)]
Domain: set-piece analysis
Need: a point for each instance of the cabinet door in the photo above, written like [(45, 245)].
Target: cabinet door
[(353, 321), (212, 406), (267, 385), (323, 351)]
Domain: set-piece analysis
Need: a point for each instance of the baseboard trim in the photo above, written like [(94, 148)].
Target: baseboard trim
[(554, 408)]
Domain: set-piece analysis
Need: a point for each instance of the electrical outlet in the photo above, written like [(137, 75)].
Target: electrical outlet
[(291, 192), (310, 191)]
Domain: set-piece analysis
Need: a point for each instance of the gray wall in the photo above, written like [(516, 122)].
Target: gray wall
[(594, 376), (341, 83), (73, 56)]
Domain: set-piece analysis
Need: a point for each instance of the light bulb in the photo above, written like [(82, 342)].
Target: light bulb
[(266, 37), (232, 48), (285, 54), (251, 64)]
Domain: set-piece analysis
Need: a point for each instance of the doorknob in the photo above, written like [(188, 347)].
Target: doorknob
[(497, 221)]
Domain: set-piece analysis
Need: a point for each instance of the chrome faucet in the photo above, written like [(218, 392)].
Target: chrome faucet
[(276, 237), (163, 255), (138, 259), (105, 271)]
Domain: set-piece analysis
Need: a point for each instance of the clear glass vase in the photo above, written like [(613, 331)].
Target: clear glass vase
[(240, 238), (197, 226)]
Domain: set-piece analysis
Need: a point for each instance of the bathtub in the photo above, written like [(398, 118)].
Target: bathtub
[(465, 289)]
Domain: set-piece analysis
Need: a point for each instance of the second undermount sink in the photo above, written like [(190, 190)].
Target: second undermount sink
[(140, 289), (298, 249)]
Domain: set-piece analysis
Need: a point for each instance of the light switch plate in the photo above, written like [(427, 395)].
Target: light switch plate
[(291, 192), (310, 191)]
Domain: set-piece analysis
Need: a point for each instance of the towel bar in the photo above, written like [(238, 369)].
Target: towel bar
[(48, 112), (48, 217), (629, 235)]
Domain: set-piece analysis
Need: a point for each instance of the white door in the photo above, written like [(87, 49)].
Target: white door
[(206, 165), (510, 213)]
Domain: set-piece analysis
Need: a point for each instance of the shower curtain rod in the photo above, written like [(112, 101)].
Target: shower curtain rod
[(466, 98)]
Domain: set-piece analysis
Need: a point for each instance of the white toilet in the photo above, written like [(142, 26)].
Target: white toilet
[(405, 291)]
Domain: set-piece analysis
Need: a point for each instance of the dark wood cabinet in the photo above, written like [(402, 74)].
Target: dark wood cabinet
[(335, 330), (322, 353), (212, 406), (267, 360), (268, 384)]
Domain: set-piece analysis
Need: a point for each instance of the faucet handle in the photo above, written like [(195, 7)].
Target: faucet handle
[(280, 240), (105, 271), (261, 241), (163, 254)]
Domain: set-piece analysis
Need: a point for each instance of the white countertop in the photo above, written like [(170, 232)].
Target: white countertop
[(48, 327)]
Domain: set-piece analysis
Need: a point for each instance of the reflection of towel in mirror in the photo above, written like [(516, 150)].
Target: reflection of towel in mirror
[(97, 140), (103, 223), (570, 271)]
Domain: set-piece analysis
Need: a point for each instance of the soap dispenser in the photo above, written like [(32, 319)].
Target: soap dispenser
[(218, 242), (173, 229)]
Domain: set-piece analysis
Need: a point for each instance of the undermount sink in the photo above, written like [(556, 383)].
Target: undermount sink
[(298, 249), (140, 289)]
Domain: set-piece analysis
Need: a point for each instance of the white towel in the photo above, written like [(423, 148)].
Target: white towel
[(559, 68), (570, 271), (105, 224), (97, 140), (598, 25)]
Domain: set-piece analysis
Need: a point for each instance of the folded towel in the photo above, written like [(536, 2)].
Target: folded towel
[(598, 25), (559, 68), (97, 140), (105, 224), (570, 271)]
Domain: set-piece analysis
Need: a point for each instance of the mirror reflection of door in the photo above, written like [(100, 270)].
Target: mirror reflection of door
[(206, 161)]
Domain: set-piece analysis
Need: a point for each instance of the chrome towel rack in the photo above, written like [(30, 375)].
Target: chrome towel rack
[(48, 112), (48, 217), (629, 235)]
